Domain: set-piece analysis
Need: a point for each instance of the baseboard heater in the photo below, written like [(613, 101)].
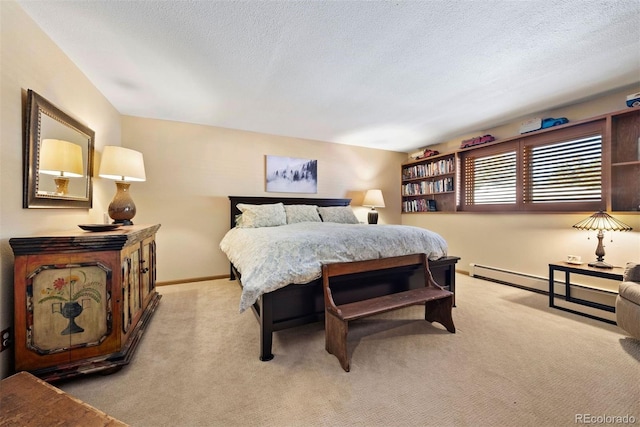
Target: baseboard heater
[(512, 278), (539, 284)]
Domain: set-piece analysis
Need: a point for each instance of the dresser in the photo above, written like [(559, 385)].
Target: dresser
[(82, 299)]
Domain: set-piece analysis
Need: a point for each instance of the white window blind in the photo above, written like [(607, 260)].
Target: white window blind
[(554, 171), (564, 172), (491, 179)]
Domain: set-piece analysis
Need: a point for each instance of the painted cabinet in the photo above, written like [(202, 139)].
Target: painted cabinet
[(82, 299)]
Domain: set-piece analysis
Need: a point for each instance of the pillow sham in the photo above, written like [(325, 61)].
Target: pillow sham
[(302, 213), (340, 214), (255, 216)]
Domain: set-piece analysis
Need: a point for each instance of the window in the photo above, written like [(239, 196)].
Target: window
[(568, 171), (554, 171), (491, 179)]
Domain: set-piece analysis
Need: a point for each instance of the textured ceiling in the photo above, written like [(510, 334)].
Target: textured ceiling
[(394, 75)]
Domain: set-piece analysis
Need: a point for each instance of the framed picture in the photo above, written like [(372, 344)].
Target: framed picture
[(431, 205), (291, 175)]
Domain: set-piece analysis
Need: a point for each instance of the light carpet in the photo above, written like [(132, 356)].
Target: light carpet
[(513, 361)]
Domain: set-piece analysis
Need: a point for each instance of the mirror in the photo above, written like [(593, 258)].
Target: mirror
[(58, 158)]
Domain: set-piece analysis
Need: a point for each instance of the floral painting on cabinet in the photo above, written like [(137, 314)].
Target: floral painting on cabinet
[(68, 307)]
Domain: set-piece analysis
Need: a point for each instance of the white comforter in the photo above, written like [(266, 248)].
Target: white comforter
[(270, 258)]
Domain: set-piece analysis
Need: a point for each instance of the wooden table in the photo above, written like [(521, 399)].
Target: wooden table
[(614, 273), (28, 401)]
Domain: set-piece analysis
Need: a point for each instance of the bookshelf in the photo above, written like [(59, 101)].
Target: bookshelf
[(429, 184)]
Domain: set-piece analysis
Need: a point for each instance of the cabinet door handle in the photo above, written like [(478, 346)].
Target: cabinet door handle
[(144, 270)]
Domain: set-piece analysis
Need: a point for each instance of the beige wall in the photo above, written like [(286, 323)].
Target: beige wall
[(526, 243), (30, 60), (192, 169)]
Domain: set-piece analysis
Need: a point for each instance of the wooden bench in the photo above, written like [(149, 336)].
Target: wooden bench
[(438, 301)]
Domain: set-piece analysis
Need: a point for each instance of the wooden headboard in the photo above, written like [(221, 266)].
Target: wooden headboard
[(253, 200)]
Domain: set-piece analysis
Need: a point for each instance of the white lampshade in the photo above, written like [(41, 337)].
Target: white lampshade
[(61, 158), (373, 199), (122, 164)]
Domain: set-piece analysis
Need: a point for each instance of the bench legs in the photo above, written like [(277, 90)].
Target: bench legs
[(440, 311), (336, 338), (336, 329)]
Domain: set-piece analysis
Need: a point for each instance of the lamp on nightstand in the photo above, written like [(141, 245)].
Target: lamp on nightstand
[(373, 199), (601, 221), (124, 166)]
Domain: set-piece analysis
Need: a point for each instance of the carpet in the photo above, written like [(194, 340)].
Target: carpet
[(512, 361)]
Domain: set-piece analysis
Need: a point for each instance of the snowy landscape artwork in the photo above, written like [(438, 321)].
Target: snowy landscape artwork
[(292, 175)]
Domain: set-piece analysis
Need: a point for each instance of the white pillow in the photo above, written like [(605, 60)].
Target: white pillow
[(341, 214), (301, 213), (238, 220), (255, 216)]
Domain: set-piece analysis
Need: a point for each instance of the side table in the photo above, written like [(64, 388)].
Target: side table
[(582, 269)]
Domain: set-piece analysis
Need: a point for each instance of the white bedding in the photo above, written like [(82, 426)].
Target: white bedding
[(270, 258)]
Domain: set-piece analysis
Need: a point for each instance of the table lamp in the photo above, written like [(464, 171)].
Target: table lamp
[(601, 221), (373, 199), (123, 165), (63, 159)]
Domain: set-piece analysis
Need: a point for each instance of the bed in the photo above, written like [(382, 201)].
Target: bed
[(290, 305)]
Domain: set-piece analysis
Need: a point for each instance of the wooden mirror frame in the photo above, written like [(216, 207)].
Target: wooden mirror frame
[(38, 108)]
